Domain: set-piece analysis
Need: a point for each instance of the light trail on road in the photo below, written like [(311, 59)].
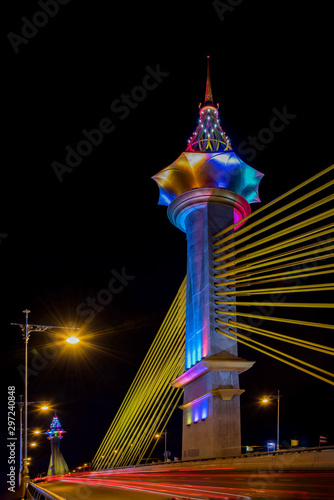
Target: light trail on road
[(208, 484)]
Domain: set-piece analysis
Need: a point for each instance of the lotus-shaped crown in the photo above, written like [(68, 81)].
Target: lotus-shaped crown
[(209, 161), (208, 170)]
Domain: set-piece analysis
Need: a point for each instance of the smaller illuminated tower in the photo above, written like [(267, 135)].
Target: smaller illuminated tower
[(57, 465)]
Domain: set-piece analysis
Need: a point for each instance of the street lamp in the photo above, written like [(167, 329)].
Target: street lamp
[(265, 400), (72, 340), (27, 330), (159, 435), (165, 454)]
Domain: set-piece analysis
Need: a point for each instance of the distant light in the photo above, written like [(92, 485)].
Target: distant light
[(44, 407), (33, 444), (157, 435), (265, 400), (73, 340), (37, 432)]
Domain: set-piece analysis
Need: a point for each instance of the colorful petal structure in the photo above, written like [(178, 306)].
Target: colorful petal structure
[(208, 170)]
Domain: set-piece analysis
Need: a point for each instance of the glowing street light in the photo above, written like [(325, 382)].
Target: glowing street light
[(159, 435), (73, 340), (265, 400), (27, 329)]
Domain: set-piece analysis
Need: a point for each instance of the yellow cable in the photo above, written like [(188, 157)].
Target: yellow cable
[(271, 203), (280, 320), (289, 230), (158, 386), (143, 369), (323, 287), (247, 270), (296, 240), (279, 304), (280, 337), (143, 373), (275, 357), (122, 438), (281, 221), (274, 225), (287, 275), (150, 389), (283, 257), (109, 442)]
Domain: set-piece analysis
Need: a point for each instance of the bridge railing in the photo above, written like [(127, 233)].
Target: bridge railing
[(242, 455), (38, 493)]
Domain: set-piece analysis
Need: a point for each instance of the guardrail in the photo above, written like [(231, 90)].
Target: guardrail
[(243, 455), (38, 493)]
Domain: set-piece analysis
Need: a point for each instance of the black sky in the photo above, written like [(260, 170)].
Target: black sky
[(64, 238)]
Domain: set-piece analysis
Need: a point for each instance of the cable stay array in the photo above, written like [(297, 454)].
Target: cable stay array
[(286, 252), (150, 400), (284, 245)]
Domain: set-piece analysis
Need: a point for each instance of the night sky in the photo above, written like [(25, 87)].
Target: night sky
[(63, 236)]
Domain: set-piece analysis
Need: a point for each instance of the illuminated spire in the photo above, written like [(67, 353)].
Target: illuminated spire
[(208, 91), (209, 135)]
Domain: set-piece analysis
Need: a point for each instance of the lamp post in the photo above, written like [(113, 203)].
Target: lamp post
[(266, 400), (165, 432), (21, 405), (158, 436), (27, 330)]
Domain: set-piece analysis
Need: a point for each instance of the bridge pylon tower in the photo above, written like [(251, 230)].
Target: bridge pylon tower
[(208, 188)]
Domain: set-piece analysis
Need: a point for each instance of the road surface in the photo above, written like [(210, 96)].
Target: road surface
[(196, 484)]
